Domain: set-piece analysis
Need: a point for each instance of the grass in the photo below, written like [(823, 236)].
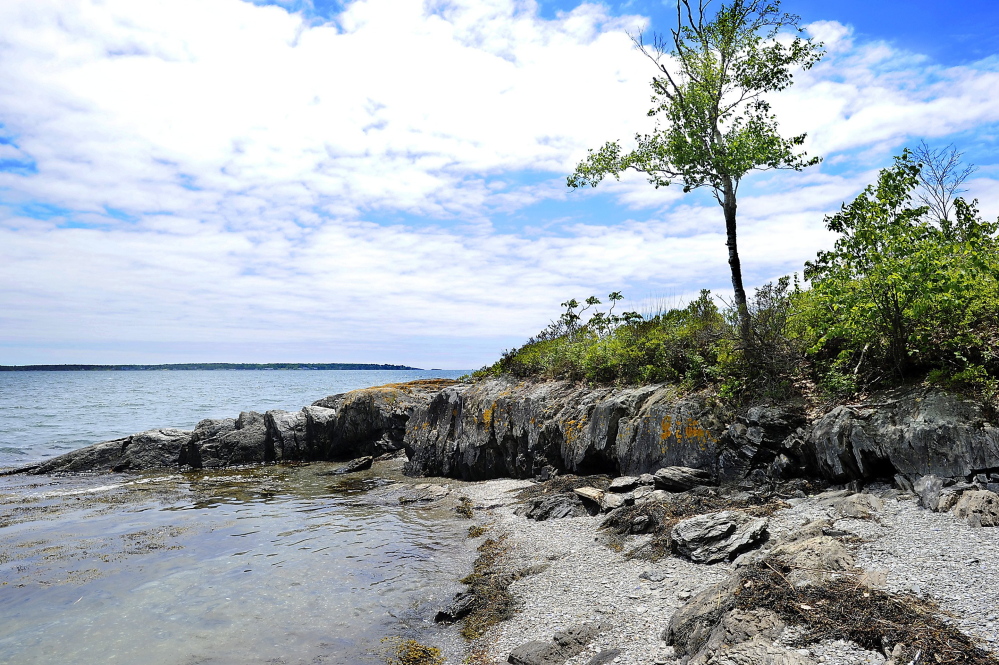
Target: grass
[(873, 619)]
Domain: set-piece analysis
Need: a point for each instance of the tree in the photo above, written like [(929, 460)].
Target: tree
[(940, 179), (899, 291), (714, 122)]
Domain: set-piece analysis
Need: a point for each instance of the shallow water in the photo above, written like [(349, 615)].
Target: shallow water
[(43, 414), (271, 565)]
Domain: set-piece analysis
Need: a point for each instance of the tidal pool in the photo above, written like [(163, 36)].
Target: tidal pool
[(279, 564)]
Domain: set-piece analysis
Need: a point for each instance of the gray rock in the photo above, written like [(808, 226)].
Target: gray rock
[(564, 646), (611, 501), (646, 479), (979, 507), (814, 561), (355, 465), (245, 443), (97, 457), (928, 489), (460, 606), (153, 449), (718, 536), (552, 506), (286, 435), (604, 657), (860, 506), (913, 434), (423, 493), (623, 484), (680, 478), (759, 651)]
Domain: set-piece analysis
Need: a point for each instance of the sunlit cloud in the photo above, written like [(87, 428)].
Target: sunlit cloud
[(386, 186)]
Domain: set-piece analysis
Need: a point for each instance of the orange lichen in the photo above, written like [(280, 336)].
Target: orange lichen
[(683, 429)]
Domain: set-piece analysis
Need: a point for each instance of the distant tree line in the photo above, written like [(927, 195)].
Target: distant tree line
[(198, 366)]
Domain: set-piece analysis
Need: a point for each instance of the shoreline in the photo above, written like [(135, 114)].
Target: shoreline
[(904, 548)]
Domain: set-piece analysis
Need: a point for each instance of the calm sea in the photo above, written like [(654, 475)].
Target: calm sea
[(268, 565)]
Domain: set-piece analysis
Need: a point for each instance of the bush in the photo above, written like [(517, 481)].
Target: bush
[(676, 346), (898, 296)]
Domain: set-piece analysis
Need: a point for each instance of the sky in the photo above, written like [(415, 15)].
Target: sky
[(384, 180)]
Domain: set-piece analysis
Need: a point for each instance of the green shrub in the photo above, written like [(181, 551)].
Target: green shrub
[(900, 296)]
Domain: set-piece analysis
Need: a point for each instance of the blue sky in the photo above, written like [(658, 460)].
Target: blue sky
[(384, 180)]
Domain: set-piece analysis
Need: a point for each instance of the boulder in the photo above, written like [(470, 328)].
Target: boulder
[(552, 506), (245, 443), (286, 435), (623, 484), (718, 536), (979, 507), (680, 478), (814, 560), (564, 645), (928, 489), (859, 506), (461, 605)]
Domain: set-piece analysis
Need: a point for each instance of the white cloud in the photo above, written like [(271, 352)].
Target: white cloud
[(250, 150)]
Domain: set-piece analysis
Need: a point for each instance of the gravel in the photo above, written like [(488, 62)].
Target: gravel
[(581, 579)]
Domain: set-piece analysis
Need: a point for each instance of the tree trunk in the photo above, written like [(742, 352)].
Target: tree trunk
[(742, 307)]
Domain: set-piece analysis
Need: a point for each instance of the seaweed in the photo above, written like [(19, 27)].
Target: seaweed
[(902, 626)]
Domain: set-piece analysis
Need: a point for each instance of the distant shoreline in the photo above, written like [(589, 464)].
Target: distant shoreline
[(203, 366)]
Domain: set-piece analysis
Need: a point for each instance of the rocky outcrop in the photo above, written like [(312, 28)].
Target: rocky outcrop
[(502, 428), (340, 427), (913, 434), (145, 450)]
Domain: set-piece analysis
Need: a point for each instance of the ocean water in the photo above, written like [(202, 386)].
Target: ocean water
[(276, 564), (43, 414)]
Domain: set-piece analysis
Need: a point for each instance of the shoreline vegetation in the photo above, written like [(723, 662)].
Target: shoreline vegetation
[(205, 366)]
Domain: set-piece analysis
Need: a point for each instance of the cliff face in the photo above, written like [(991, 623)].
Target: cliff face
[(501, 428)]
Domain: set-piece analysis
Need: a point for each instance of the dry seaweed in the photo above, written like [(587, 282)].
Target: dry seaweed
[(563, 485), (843, 609), (659, 517), (475, 530)]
